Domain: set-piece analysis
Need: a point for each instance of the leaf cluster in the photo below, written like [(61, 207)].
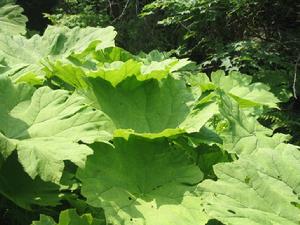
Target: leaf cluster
[(92, 134)]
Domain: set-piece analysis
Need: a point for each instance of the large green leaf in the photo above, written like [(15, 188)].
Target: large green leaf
[(24, 59), (153, 107), (153, 103), (11, 19), (68, 217), (45, 127), (258, 189), (143, 182)]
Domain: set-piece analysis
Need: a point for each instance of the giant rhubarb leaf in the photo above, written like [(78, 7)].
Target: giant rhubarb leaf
[(24, 59), (143, 182), (11, 19), (152, 108), (258, 189), (45, 126)]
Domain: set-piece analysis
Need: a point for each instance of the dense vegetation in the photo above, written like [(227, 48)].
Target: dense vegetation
[(258, 38), (197, 122)]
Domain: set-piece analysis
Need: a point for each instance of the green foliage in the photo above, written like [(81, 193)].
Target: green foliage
[(91, 134)]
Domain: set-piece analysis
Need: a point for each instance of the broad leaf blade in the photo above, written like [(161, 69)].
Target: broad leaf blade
[(261, 189), (143, 182), (45, 128), (151, 108)]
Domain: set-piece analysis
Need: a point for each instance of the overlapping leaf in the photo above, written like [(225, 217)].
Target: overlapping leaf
[(24, 59), (11, 19), (115, 65), (239, 87), (258, 189), (45, 127), (143, 182)]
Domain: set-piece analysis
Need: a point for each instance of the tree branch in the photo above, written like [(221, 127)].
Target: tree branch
[(295, 77)]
